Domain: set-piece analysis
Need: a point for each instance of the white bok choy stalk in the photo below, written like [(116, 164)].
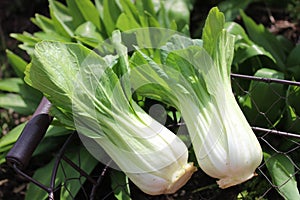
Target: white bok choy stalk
[(88, 96), (196, 80)]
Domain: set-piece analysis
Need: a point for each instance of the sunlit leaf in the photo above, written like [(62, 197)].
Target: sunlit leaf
[(44, 23), (10, 138), (89, 12), (11, 84), (17, 63), (263, 105), (282, 172), (111, 12), (62, 19)]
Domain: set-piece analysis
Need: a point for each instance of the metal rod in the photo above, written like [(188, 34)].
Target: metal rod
[(37, 183), (99, 181), (267, 80), (81, 172), (57, 161), (282, 133)]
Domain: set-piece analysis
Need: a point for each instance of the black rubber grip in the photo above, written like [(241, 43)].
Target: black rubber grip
[(31, 136)]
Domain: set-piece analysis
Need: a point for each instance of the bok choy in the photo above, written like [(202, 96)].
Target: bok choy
[(88, 96), (195, 78)]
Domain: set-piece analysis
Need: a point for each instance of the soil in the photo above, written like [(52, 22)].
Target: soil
[(15, 18)]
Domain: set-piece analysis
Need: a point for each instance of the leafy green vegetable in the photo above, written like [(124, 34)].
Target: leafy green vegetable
[(101, 108), (196, 81)]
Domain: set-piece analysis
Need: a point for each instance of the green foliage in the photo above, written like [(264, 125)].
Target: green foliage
[(257, 53), (120, 185), (78, 156), (264, 98), (262, 54), (15, 93), (79, 22), (282, 171)]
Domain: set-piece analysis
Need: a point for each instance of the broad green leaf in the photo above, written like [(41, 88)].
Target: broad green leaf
[(261, 36), (125, 23), (293, 58), (151, 21), (293, 98), (44, 23), (62, 20), (53, 139), (245, 52), (50, 144), (43, 175), (293, 62), (178, 42), (10, 138), (25, 102), (89, 12), (63, 118), (214, 25), (130, 10), (120, 185), (111, 13), (86, 162), (56, 53), (266, 98), (65, 172), (89, 30), (75, 12), (17, 63), (286, 44), (47, 65), (11, 84), (142, 15), (282, 171), (237, 30), (56, 131), (291, 122), (17, 103), (244, 47)]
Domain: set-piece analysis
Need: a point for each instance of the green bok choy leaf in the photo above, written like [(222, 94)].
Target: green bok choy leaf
[(196, 80), (88, 96)]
